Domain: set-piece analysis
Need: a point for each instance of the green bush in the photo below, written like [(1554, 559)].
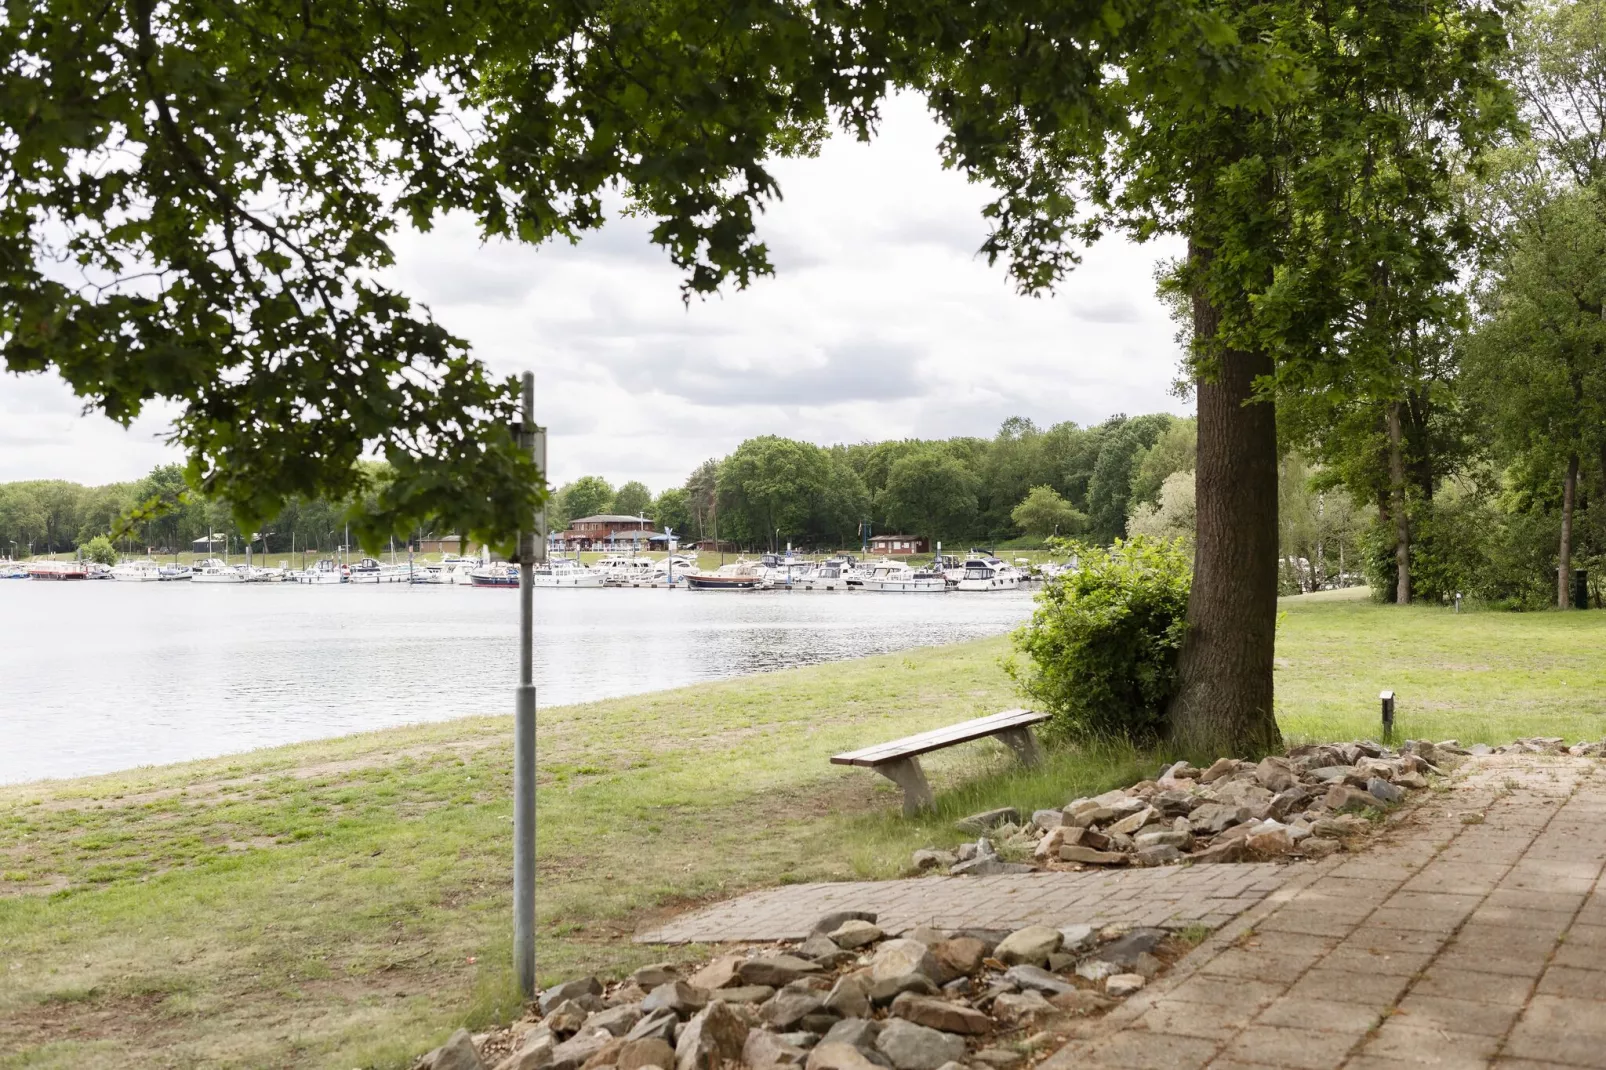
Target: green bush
[(99, 549), (1101, 648)]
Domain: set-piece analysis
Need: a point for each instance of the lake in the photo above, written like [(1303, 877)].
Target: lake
[(101, 676)]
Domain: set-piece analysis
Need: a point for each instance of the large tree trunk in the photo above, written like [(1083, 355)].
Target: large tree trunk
[(1564, 567), (1402, 523), (1224, 696)]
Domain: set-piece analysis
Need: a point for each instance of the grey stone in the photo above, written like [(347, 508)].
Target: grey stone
[(837, 918), (585, 986), (1125, 950), (1048, 819), (1032, 945), (714, 1037), (1077, 937), (1022, 1008), (572, 1053), (775, 970), (1129, 825), (855, 934), (998, 1058), (915, 1047), (1222, 767), (988, 819), (1212, 818), (1183, 840), (850, 996), (638, 1054), (650, 977), (858, 1032), (1176, 803), (888, 989), (927, 935), (1225, 851), (1035, 979), (456, 1054), (823, 950), (929, 859), (940, 1014), (660, 1026), (1331, 774), (989, 866), (1291, 801), (763, 1050), (1096, 969), (958, 957), (1090, 856), (567, 1017), (896, 958), (1275, 774), (1345, 797), (1161, 854), (741, 994), (1123, 984), (683, 999), (789, 1007), (840, 1057), (965, 851), (1383, 790), (1060, 961), (616, 1020), (990, 938), (799, 1039)]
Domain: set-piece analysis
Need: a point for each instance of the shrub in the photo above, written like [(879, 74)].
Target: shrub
[(1102, 645), (100, 549)]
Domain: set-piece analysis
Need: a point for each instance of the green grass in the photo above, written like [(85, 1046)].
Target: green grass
[(345, 903)]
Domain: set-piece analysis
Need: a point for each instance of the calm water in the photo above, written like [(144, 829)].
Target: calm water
[(100, 676)]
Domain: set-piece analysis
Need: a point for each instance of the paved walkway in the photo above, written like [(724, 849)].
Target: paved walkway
[(1169, 897), (1472, 936)]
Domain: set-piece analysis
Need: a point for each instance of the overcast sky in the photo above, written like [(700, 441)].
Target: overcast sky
[(881, 322)]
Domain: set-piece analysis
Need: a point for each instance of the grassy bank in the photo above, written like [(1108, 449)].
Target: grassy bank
[(344, 903)]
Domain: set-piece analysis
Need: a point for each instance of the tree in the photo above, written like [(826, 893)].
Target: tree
[(1173, 516), (100, 549), (672, 512), (929, 493), (1109, 489), (224, 185), (632, 499), (768, 488), (702, 496), (1540, 357), (1043, 514), (586, 496), (1176, 450)]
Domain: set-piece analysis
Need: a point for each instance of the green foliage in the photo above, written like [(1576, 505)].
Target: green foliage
[(672, 511), (1102, 645), (632, 499), (1176, 450), (1173, 516), (1110, 487), (1043, 513), (929, 493), (586, 496), (99, 549)]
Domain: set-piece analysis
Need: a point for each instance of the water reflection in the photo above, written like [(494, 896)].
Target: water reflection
[(102, 676)]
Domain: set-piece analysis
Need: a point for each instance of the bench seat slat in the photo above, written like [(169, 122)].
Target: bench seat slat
[(937, 739)]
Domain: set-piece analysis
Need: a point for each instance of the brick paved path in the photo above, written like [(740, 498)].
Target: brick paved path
[(1474, 936), (1170, 897)]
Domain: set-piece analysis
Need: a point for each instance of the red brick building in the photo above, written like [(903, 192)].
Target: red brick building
[(898, 545)]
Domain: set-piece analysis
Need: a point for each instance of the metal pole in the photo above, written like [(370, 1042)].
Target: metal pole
[(531, 547)]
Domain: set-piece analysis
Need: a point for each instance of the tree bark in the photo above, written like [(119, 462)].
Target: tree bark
[(1402, 523), (1564, 566), (1223, 703)]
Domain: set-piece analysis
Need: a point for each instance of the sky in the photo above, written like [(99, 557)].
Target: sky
[(880, 322)]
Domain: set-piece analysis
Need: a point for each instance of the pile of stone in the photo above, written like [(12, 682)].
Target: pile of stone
[(850, 997), (1303, 805)]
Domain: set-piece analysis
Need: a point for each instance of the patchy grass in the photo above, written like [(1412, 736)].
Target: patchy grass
[(345, 903)]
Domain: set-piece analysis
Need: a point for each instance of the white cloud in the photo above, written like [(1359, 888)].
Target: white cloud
[(881, 322)]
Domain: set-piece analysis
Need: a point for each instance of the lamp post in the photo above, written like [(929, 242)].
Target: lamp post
[(531, 549)]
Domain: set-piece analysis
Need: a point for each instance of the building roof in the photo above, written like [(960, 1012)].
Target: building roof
[(897, 538), (608, 518)]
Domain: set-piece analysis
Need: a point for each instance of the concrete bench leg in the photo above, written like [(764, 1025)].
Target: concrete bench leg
[(907, 774), (1023, 743)]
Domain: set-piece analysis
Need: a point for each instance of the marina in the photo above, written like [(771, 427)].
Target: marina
[(101, 676)]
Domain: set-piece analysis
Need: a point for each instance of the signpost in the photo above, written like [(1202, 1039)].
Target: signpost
[(531, 549)]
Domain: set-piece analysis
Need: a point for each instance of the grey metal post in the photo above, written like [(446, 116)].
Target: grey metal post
[(531, 548), (1387, 699)]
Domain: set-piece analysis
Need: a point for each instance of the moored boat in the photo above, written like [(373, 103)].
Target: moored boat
[(741, 576), (899, 578), (213, 570), (989, 574), (146, 571), (324, 571), (562, 572), (495, 574), (58, 570)]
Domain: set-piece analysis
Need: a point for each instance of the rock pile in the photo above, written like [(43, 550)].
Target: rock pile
[(1540, 745), (1301, 805), (850, 997)]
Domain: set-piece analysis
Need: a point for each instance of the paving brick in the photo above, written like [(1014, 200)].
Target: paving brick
[(1298, 1048), (1576, 983), (1391, 964), (1454, 1015), (1344, 986), (1413, 1044), (1321, 1015), (1251, 995), (1143, 1050), (1479, 986), (1249, 965), (1209, 1021)]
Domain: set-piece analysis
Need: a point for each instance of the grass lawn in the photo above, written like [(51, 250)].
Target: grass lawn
[(345, 903)]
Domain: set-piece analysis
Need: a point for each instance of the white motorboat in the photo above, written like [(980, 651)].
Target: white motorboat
[(326, 570), (262, 574), (829, 575), (989, 574), (146, 571), (213, 570), (899, 578), (624, 571), (737, 576), (174, 573), (562, 572), (495, 574)]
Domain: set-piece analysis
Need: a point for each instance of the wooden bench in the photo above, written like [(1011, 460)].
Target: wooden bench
[(899, 761)]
